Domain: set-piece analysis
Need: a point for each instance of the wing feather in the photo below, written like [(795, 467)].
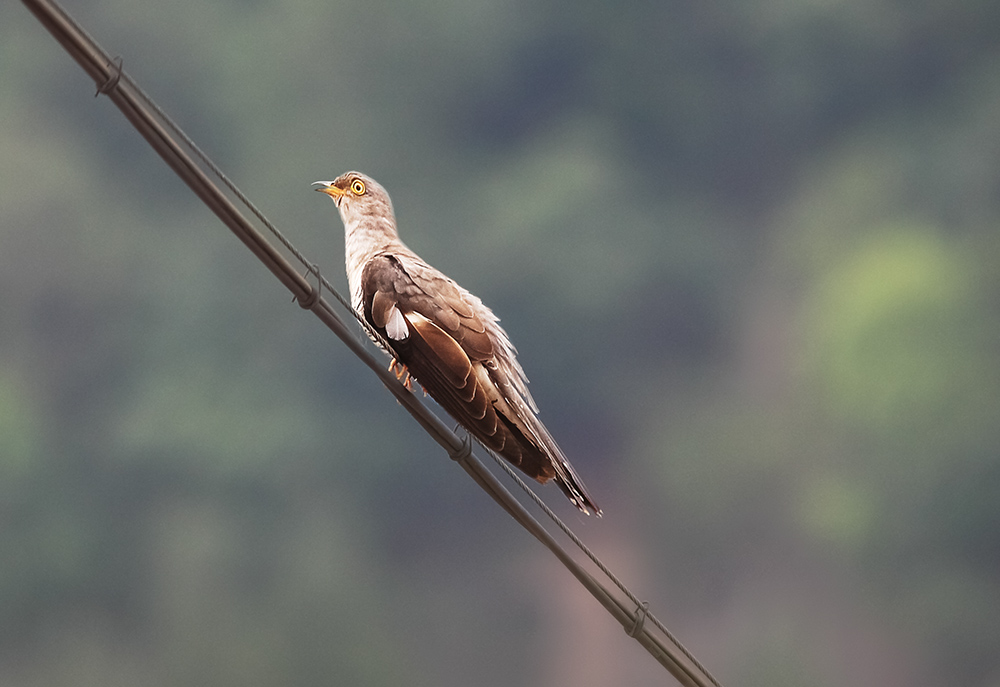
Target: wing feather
[(453, 361), (455, 348)]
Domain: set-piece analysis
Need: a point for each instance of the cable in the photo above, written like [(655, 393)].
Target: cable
[(169, 141), (642, 607)]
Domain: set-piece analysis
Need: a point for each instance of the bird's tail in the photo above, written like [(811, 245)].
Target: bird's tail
[(573, 487)]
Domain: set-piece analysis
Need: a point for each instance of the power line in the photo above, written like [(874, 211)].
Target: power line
[(176, 149)]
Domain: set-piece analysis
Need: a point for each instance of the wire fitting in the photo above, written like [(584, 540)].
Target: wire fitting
[(310, 301), (114, 76), (640, 619), (465, 452)]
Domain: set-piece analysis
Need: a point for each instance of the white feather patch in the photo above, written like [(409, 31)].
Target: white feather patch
[(396, 328)]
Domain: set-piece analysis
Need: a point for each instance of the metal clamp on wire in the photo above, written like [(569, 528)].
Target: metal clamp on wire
[(640, 619), (465, 452), (114, 76), (313, 298)]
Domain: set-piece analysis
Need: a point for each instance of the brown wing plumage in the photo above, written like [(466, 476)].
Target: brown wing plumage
[(453, 346)]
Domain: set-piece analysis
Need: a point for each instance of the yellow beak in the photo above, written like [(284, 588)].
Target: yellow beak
[(329, 189)]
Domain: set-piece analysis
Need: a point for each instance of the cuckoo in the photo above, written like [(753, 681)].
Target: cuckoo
[(444, 337)]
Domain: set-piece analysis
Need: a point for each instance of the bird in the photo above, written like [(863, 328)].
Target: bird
[(444, 337)]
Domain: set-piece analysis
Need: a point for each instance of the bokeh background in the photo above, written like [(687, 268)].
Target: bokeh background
[(748, 251)]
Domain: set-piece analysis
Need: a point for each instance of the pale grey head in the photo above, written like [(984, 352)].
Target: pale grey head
[(358, 197)]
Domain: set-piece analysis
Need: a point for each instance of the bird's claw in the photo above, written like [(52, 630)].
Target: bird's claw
[(402, 374)]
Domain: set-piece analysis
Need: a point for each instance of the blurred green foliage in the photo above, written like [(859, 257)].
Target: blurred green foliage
[(749, 255)]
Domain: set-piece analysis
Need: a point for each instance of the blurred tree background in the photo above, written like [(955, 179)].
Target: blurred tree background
[(748, 252)]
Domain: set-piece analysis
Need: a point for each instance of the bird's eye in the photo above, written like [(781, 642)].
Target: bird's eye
[(358, 187)]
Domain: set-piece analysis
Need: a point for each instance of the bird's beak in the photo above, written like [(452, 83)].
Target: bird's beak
[(329, 189)]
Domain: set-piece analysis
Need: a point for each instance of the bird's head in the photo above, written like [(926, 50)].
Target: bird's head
[(357, 196)]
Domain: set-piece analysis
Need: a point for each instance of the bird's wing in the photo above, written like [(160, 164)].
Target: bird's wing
[(451, 343), (441, 338)]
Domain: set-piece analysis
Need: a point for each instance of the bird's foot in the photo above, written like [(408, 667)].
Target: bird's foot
[(402, 374)]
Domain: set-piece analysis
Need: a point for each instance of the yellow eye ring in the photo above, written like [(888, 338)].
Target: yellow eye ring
[(358, 187)]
